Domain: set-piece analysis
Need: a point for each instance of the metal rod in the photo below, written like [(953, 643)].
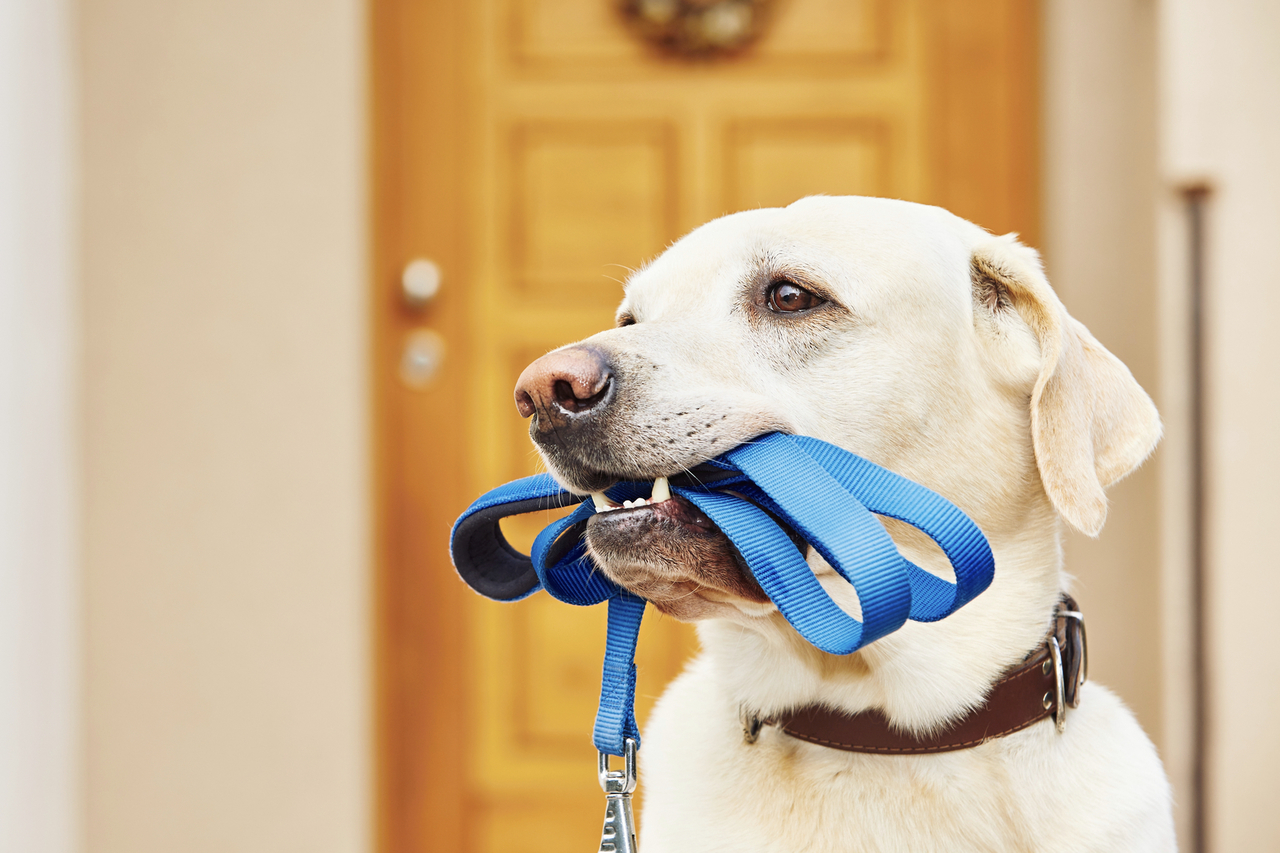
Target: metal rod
[(1196, 201)]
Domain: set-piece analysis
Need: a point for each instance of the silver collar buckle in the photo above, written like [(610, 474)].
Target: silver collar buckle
[(1067, 693)]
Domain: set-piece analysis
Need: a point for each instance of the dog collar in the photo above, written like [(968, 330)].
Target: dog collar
[(1045, 684)]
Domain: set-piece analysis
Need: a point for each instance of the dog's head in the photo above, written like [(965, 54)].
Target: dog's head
[(896, 331)]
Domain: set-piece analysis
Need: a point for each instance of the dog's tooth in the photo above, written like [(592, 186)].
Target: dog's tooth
[(661, 490), (602, 502), (628, 504)]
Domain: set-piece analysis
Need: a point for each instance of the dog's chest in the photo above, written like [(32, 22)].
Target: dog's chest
[(705, 788), (790, 802), (1097, 786)]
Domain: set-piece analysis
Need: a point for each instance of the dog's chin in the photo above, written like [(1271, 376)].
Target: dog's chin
[(672, 555)]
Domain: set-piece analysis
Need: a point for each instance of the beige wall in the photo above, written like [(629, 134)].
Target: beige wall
[(1142, 98), (1220, 86), (227, 545)]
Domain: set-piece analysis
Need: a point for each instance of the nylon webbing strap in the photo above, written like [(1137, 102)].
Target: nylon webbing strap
[(827, 496)]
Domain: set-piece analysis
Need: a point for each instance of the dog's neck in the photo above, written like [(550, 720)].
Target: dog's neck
[(923, 675)]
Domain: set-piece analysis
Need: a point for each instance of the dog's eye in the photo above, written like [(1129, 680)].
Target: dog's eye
[(626, 320), (787, 297)]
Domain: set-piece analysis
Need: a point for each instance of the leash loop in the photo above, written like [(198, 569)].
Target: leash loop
[(826, 496)]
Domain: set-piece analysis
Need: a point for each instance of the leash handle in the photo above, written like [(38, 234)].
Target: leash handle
[(482, 555), (826, 495)]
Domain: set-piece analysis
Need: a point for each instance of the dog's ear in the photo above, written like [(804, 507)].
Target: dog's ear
[(1091, 423)]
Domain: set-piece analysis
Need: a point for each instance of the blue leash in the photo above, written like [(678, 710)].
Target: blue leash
[(826, 495)]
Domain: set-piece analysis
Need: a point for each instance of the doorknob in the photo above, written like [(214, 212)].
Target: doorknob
[(423, 348), (420, 282), (422, 358)]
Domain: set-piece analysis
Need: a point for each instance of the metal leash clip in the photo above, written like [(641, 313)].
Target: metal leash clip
[(619, 833)]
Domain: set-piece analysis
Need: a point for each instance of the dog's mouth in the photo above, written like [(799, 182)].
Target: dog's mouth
[(666, 550), (660, 513)]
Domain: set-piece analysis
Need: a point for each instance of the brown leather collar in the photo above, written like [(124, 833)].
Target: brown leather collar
[(1044, 685)]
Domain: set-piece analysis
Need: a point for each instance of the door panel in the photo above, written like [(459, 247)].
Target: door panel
[(538, 151), (771, 162), (584, 195)]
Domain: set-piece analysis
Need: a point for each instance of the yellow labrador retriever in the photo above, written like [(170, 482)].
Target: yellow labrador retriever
[(917, 340)]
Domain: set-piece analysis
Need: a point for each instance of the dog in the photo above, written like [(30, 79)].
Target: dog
[(920, 341)]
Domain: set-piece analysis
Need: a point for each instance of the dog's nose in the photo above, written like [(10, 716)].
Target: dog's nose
[(568, 382)]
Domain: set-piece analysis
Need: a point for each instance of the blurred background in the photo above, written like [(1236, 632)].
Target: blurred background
[(269, 269)]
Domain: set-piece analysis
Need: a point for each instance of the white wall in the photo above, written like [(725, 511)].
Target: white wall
[(227, 572), (1220, 123), (39, 589)]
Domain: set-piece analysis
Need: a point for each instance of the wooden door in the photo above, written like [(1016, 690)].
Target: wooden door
[(536, 150)]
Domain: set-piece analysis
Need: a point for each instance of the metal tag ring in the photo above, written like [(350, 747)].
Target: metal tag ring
[(620, 781)]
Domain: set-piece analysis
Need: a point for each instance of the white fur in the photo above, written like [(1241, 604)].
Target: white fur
[(955, 365)]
